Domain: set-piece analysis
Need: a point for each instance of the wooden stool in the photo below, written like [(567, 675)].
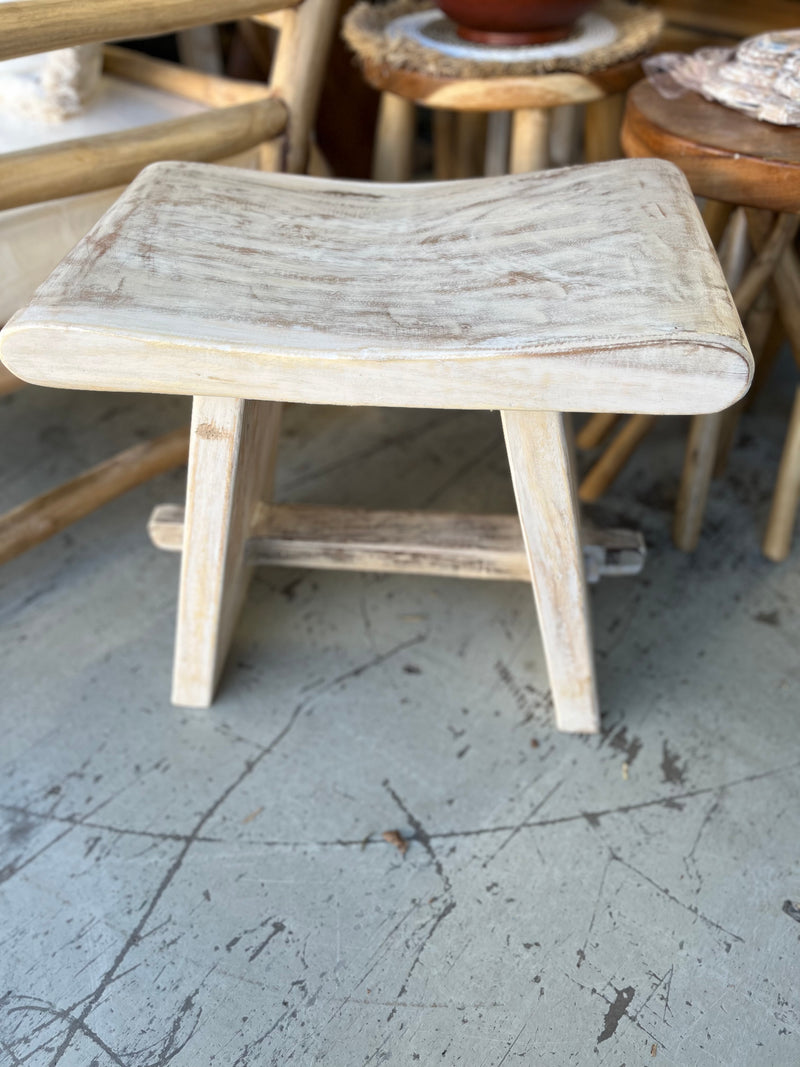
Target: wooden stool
[(461, 102), (535, 295), (729, 158)]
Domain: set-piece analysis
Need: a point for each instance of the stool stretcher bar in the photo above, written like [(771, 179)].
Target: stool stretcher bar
[(403, 542)]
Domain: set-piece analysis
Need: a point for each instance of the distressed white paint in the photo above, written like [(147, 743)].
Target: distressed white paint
[(582, 289)]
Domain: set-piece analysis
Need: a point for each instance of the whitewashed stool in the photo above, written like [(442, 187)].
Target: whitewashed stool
[(587, 289)]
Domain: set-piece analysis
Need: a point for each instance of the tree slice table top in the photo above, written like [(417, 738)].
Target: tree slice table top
[(724, 154), (410, 49)]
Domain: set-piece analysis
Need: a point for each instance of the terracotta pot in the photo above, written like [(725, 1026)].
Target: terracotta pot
[(502, 22)]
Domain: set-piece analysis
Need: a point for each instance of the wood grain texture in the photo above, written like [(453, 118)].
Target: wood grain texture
[(296, 78), (34, 521), (402, 542), (28, 26), (503, 93), (548, 509), (69, 168), (725, 155), (786, 279), (33, 238), (231, 464), (172, 78), (585, 289)]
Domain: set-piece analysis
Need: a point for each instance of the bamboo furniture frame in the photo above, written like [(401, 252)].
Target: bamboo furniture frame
[(462, 295), (729, 159), (242, 118), (29, 26)]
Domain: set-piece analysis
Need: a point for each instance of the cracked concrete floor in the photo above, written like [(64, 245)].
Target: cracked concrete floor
[(213, 888)]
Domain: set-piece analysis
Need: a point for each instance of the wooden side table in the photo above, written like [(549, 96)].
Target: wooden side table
[(480, 83), (732, 160)]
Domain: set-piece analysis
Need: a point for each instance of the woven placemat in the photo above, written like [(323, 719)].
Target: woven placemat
[(365, 27)]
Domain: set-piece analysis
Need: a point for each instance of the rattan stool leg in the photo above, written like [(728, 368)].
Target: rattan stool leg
[(231, 464), (538, 455)]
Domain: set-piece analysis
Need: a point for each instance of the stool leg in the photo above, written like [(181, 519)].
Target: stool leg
[(393, 158), (530, 136), (231, 464), (785, 502), (538, 455), (605, 471), (702, 448), (758, 326), (698, 466)]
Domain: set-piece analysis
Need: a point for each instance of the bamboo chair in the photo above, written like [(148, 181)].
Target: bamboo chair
[(51, 194)]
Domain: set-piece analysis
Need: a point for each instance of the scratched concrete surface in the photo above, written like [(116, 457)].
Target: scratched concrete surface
[(213, 888)]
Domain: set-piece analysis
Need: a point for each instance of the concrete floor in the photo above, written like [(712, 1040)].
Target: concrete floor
[(213, 888)]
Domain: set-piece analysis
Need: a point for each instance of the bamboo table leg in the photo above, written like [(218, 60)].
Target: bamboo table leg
[(615, 457), (538, 455), (785, 502), (758, 328), (393, 159), (701, 450), (530, 134)]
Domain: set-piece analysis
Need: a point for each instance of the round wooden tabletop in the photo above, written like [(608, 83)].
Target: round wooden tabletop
[(724, 153), (502, 93)]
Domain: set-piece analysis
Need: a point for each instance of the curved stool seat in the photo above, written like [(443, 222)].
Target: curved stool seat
[(590, 288), (528, 292)]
